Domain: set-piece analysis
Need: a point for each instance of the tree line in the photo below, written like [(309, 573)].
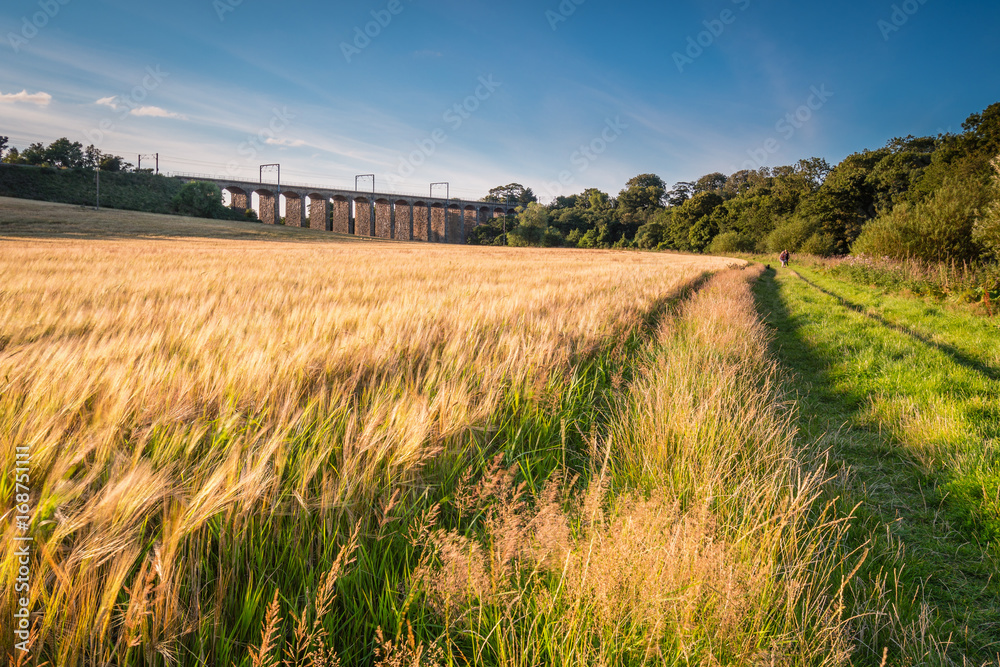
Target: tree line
[(68, 158), (64, 154), (929, 198)]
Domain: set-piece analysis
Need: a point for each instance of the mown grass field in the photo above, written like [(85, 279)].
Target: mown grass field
[(264, 446), (905, 394)]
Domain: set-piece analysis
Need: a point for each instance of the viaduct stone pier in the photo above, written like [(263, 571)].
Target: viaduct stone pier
[(377, 215)]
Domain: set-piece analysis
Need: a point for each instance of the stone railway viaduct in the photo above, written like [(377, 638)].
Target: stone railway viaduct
[(377, 215)]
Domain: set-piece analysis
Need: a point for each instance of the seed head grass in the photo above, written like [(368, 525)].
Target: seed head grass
[(209, 418)]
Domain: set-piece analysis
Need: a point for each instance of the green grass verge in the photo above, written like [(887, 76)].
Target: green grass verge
[(965, 283), (905, 394)]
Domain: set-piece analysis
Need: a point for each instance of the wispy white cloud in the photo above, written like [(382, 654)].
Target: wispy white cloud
[(157, 112), (40, 99), (293, 143), (150, 111)]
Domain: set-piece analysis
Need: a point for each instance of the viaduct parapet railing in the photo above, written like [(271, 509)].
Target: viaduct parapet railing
[(385, 215)]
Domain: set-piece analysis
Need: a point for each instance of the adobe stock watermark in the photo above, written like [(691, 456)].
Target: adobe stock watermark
[(587, 154), (223, 7), (30, 26), (131, 102), (697, 44), (22, 552), (269, 135), (562, 13), (363, 36), (455, 116), (787, 127), (899, 17)]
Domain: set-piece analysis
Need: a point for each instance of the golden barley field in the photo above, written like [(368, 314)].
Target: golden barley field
[(254, 446)]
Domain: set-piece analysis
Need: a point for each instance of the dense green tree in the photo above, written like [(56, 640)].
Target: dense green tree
[(201, 199), (534, 215), (566, 220), (919, 190), (986, 231), (534, 229), (728, 243), (608, 234), (492, 232), (740, 183), (847, 199), (589, 239), (597, 200), (591, 198), (680, 193), (115, 163), (938, 229), (701, 233), (65, 154), (750, 217), (3, 145), (689, 226), (714, 182), (653, 234), (94, 158), (34, 154), (91, 156), (793, 233), (814, 169), (513, 192), (643, 194), (982, 131), (563, 201)]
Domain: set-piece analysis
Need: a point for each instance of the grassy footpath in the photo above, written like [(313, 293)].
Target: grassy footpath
[(906, 397)]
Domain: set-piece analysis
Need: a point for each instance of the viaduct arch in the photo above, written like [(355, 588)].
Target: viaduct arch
[(375, 215)]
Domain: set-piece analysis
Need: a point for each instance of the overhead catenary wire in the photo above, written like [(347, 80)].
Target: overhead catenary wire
[(337, 179)]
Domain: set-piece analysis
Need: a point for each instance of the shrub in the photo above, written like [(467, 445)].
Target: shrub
[(589, 239), (986, 231), (120, 190), (650, 235), (975, 281), (700, 233), (792, 234), (523, 236), (729, 242), (533, 229), (202, 200), (821, 245), (552, 238), (937, 229)]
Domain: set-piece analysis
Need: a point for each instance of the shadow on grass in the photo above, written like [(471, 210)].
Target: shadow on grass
[(898, 513), (956, 355)]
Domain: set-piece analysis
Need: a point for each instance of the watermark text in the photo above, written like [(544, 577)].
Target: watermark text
[(22, 552), (30, 26)]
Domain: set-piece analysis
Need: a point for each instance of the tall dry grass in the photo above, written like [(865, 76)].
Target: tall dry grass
[(700, 541), (201, 410)]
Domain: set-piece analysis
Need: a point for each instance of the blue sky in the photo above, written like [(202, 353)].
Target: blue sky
[(559, 96)]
